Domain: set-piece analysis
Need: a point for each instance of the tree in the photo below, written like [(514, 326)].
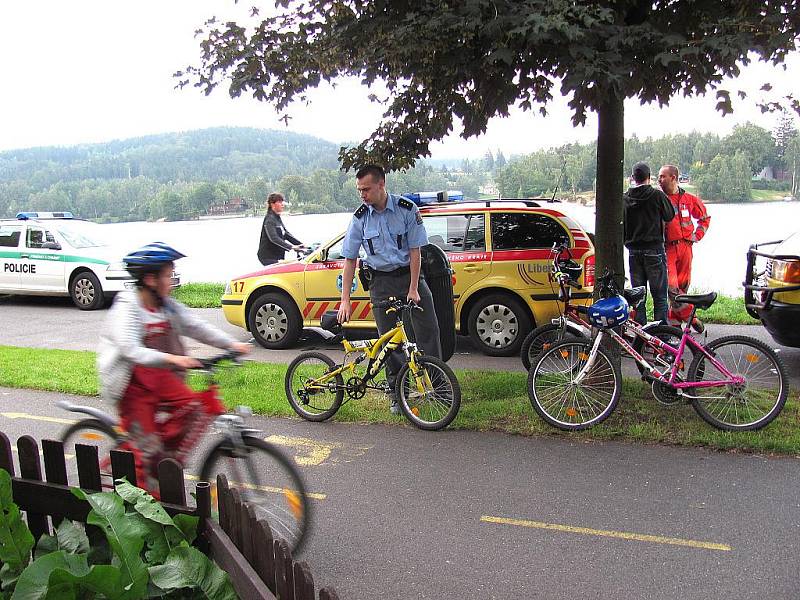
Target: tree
[(785, 132), (754, 142), (472, 60)]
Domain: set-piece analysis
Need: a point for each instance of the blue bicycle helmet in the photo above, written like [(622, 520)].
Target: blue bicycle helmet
[(609, 312), (150, 258)]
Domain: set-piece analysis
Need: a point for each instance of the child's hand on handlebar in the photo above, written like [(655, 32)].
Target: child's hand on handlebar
[(183, 362), (241, 347)]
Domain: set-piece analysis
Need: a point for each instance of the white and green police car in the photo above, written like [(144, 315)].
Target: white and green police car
[(54, 254)]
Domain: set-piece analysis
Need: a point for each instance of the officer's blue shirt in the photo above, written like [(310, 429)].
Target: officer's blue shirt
[(386, 236)]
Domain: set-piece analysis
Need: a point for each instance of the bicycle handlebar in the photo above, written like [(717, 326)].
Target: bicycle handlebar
[(208, 363), (397, 304)]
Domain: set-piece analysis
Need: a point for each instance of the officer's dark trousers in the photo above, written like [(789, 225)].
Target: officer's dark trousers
[(425, 325)]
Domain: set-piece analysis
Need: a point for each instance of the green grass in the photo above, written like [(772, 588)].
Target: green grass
[(491, 401), (200, 295), (726, 309), (767, 195)]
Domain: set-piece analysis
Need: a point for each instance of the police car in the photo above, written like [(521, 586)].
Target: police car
[(772, 288), (499, 251), (54, 254)]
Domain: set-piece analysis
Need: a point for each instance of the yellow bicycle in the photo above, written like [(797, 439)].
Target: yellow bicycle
[(426, 389)]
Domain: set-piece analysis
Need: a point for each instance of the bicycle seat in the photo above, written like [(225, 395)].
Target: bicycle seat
[(634, 295), (699, 300), (330, 322)]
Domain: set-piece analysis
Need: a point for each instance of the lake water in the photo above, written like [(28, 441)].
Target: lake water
[(218, 249)]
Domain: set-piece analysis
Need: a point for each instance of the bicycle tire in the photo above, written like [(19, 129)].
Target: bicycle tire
[(313, 404), (434, 408), (562, 403), (541, 339), (90, 432), (271, 484), (666, 333), (741, 408)]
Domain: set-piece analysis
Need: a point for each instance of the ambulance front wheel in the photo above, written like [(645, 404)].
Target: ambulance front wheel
[(274, 321)]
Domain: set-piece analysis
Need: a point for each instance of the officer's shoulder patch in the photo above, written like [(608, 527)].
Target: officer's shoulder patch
[(405, 203), (419, 218), (360, 211)]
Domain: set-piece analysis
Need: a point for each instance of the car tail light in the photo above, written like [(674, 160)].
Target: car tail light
[(787, 271), (588, 271)]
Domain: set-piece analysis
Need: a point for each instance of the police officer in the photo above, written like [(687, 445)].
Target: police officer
[(390, 230)]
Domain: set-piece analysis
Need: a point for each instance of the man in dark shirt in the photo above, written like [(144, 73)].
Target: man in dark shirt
[(646, 210), (275, 240)]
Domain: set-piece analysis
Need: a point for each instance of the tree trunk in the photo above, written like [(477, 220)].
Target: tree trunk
[(608, 228)]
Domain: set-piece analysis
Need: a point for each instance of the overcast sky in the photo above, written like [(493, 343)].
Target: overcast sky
[(91, 71)]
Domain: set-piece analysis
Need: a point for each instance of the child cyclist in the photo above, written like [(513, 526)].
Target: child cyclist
[(142, 364)]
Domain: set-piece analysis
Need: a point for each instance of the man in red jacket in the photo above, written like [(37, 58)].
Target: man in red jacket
[(679, 235)]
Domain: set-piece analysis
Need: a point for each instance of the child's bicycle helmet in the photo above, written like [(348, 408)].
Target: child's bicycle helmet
[(609, 312), (150, 259)]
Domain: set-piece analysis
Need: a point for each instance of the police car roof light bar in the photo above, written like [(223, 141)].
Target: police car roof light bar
[(24, 216)]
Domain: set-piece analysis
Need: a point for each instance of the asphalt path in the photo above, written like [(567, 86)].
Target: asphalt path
[(402, 513)]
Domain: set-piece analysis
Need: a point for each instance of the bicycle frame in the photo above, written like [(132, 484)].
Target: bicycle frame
[(377, 351), (652, 372)]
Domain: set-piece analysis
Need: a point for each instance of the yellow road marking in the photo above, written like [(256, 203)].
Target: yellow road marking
[(312, 453), (15, 415), (624, 535), (263, 488)]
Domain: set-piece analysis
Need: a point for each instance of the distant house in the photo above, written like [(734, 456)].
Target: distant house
[(231, 206)]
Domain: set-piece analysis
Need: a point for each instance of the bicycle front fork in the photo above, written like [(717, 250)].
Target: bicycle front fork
[(592, 357)]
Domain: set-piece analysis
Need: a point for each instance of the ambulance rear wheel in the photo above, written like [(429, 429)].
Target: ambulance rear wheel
[(86, 291), (274, 321), (498, 324)]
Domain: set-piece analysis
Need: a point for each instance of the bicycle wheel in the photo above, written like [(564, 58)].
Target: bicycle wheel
[(431, 399), (313, 401), (541, 339), (739, 407), (560, 400), (90, 432), (659, 358), (268, 481)]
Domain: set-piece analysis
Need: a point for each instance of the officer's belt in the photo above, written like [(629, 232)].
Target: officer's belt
[(397, 271)]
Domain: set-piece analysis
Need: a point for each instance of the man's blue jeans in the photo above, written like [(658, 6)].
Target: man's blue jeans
[(649, 267)]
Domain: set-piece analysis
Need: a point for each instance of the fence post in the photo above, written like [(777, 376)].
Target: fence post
[(55, 468), (88, 467), (284, 575), (235, 517), (203, 499), (6, 456), (303, 582), (171, 486), (223, 498), (123, 465), (263, 545), (30, 468)]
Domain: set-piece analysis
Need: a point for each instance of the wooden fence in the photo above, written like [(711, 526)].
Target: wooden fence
[(259, 566)]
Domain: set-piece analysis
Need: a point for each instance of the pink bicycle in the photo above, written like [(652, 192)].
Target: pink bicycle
[(735, 383)]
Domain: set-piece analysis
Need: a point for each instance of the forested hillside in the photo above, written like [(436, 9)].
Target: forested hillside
[(167, 175), (183, 175)]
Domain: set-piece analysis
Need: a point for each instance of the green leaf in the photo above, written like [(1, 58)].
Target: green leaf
[(187, 567), (142, 502), (60, 575), (187, 526), (16, 540), (125, 536), (72, 538)]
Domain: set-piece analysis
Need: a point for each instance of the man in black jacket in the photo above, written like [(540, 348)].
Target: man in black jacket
[(646, 210), (275, 240)]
